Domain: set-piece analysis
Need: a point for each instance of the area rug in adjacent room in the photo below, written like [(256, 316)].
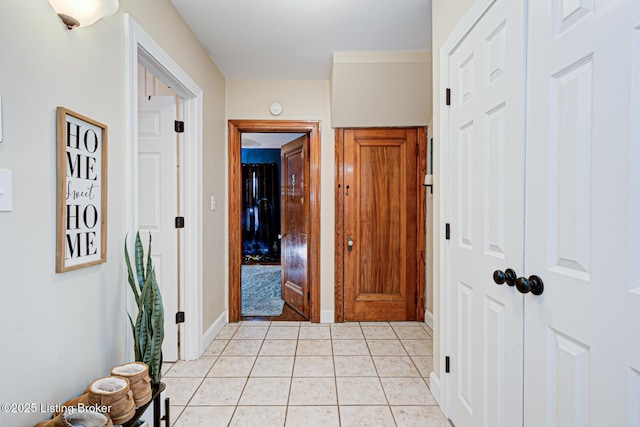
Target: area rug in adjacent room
[(261, 290)]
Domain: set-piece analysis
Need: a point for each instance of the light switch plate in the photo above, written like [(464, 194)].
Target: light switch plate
[(6, 193)]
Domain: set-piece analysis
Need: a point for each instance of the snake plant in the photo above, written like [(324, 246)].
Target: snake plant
[(148, 329)]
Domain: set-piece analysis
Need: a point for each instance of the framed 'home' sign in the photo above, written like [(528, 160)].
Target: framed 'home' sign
[(81, 222)]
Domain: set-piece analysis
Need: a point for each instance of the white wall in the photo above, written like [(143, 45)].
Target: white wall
[(446, 15), (61, 331)]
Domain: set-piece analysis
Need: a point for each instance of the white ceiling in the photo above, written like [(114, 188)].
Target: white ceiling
[(295, 39)]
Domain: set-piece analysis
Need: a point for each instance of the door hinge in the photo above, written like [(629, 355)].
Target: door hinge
[(447, 232), (447, 364), (308, 296), (179, 126), (417, 149), (179, 317), (179, 222), (448, 97)]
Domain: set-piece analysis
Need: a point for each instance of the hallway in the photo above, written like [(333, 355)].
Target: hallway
[(261, 373)]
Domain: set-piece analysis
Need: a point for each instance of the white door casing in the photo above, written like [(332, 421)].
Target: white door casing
[(486, 158), (140, 47), (158, 203), (582, 348)]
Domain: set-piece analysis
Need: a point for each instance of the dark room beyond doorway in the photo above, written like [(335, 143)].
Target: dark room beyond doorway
[(261, 219)]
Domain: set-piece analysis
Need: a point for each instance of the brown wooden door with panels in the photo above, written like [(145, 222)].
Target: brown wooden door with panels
[(380, 224), (295, 224)]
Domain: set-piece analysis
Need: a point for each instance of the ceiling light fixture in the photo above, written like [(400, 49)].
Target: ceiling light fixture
[(80, 13)]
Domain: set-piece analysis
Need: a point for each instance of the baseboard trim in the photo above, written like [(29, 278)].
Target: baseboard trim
[(434, 386), (214, 329), (428, 318), (327, 316)]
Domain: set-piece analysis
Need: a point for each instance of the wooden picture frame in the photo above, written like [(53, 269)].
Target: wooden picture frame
[(81, 210)]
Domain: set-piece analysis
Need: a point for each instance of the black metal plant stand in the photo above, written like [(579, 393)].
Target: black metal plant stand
[(156, 396)]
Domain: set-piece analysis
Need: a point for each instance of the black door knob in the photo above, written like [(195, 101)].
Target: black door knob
[(508, 277), (533, 284)]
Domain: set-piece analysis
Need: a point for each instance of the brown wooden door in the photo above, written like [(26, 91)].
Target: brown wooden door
[(380, 223), (295, 224)]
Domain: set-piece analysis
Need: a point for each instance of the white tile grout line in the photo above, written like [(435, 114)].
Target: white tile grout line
[(271, 324)]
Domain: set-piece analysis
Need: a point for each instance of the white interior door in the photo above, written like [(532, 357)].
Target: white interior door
[(158, 203), (486, 161), (582, 347)]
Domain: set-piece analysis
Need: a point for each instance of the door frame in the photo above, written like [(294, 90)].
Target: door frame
[(236, 128), (140, 46), (421, 215)]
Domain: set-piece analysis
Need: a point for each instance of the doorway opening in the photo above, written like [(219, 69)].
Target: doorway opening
[(160, 192), (274, 220), (261, 271), (142, 49)]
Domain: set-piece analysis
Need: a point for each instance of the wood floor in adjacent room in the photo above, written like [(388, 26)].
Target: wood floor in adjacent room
[(288, 314)]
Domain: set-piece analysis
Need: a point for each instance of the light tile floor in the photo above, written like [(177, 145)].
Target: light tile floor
[(303, 374)]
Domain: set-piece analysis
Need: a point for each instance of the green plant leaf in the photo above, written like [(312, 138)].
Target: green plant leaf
[(148, 329), (130, 277), (136, 345), (157, 324), (149, 260), (139, 254), (143, 322)]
